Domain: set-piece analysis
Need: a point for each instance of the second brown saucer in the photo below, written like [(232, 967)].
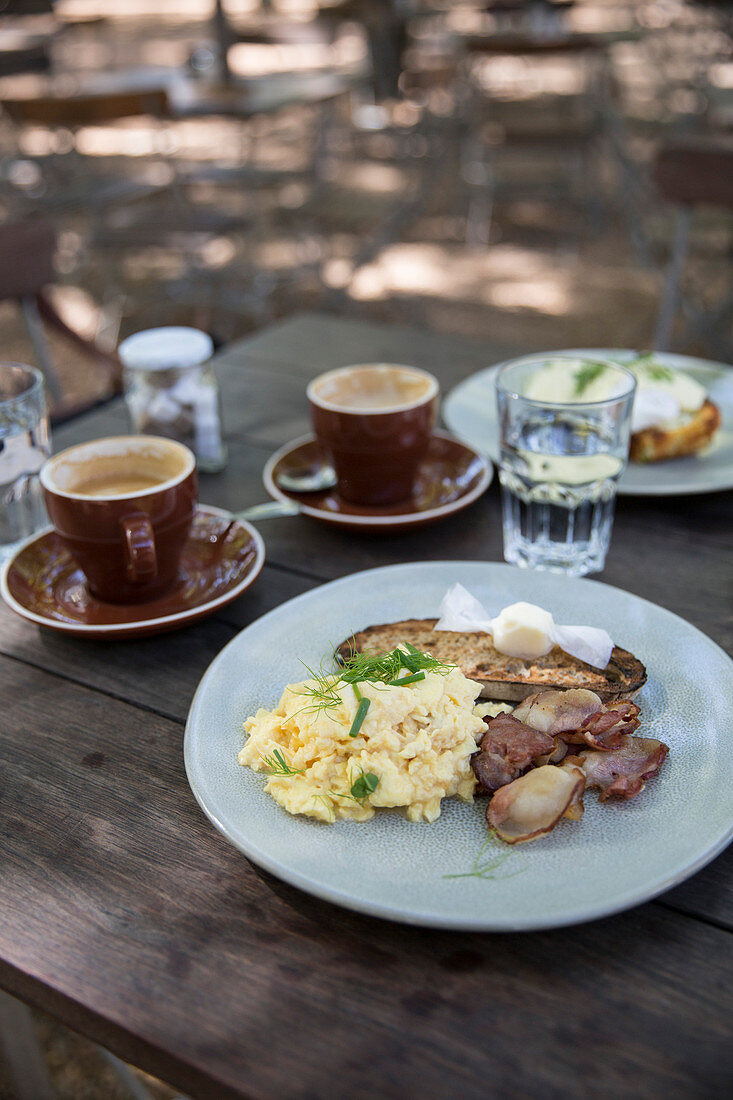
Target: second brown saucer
[(451, 476)]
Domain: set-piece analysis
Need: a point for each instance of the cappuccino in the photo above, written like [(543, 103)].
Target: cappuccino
[(115, 485), (373, 388), (374, 421), (117, 467), (123, 507)]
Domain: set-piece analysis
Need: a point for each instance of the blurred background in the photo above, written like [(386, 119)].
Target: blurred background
[(529, 170), (542, 174)]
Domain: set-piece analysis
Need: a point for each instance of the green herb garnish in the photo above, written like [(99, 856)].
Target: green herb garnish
[(387, 668), (585, 375), (276, 764), (364, 785), (485, 865), (361, 713), (656, 371), (371, 668), (324, 800), (409, 679), (322, 691)]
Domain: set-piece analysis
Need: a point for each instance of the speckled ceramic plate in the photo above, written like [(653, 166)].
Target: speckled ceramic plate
[(451, 476), (620, 854), (470, 411), (220, 559)]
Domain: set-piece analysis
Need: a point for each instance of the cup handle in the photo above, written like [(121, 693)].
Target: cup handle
[(142, 562)]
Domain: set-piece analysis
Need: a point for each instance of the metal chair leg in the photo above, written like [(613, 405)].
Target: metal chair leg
[(22, 1052), (34, 324), (671, 293), (24, 1058)]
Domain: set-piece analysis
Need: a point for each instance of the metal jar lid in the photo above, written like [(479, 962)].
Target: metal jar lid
[(166, 348)]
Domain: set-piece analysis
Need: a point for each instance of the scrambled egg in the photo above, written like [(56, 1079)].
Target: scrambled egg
[(492, 710), (416, 741)]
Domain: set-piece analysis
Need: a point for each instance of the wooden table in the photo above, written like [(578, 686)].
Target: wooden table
[(126, 915)]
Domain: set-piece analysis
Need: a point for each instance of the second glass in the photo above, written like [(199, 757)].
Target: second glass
[(24, 447), (565, 424)]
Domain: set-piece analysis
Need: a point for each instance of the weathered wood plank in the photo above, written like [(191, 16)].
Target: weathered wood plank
[(169, 947), (310, 343), (708, 894)]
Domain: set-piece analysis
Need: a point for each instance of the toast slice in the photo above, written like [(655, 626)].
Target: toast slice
[(503, 678), (655, 444)]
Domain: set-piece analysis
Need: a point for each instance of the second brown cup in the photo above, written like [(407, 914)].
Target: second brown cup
[(123, 506), (375, 420)]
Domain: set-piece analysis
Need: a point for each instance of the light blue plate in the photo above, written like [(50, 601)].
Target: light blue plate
[(620, 854), (469, 410)]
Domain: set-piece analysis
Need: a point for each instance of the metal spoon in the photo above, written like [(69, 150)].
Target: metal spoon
[(258, 511), (317, 479), (268, 511), (314, 480)]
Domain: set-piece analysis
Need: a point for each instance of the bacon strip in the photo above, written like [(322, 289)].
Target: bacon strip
[(507, 749), (532, 805), (607, 729), (579, 717), (559, 752), (623, 771), (558, 712)]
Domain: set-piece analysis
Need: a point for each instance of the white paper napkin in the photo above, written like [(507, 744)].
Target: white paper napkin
[(462, 612)]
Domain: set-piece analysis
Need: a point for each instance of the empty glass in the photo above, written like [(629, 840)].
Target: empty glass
[(24, 447), (564, 425)]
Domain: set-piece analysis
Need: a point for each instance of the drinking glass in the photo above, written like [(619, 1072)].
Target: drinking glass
[(561, 459), (24, 447)]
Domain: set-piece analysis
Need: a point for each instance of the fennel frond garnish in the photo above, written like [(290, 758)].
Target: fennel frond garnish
[(276, 765), (486, 863), (586, 375)]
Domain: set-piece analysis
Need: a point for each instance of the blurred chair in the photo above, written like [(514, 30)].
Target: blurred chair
[(22, 52), (568, 127), (74, 184), (26, 272), (689, 174)]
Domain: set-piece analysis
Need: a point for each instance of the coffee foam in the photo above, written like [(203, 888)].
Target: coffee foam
[(373, 387), (81, 470)]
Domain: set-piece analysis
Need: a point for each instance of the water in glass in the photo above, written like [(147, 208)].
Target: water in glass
[(24, 447), (559, 486), (561, 459)]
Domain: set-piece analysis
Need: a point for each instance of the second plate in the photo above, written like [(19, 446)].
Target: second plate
[(469, 410)]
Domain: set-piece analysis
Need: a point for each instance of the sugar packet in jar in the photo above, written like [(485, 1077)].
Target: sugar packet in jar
[(171, 390)]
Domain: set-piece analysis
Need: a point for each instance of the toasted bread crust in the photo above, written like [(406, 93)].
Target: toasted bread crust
[(503, 678), (654, 444)]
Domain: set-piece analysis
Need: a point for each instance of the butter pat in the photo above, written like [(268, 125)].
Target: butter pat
[(523, 630)]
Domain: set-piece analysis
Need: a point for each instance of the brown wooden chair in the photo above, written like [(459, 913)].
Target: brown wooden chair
[(77, 185), (27, 251), (87, 109), (690, 173)]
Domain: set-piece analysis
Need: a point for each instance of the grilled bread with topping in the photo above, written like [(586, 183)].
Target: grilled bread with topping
[(501, 677), (686, 438)]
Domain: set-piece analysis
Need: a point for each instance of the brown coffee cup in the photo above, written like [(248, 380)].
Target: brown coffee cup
[(123, 506), (375, 420)]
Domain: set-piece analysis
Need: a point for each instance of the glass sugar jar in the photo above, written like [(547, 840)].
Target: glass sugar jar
[(171, 390)]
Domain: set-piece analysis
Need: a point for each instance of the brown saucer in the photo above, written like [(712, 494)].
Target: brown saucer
[(451, 477), (42, 583)]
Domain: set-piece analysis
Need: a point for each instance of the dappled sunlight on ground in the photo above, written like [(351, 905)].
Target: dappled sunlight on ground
[(555, 295), (354, 207)]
